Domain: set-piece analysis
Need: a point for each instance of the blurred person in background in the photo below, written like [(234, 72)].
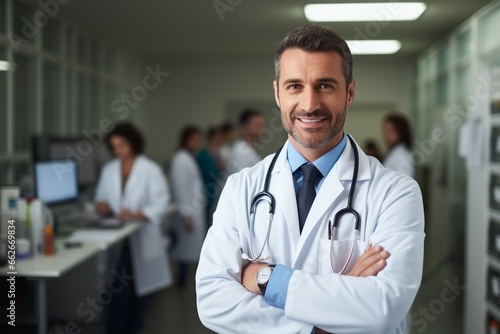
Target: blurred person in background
[(228, 137), (133, 188), (209, 161), (243, 153), (189, 194), (371, 149), (398, 137)]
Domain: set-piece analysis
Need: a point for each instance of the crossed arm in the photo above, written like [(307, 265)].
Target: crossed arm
[(370, 263)]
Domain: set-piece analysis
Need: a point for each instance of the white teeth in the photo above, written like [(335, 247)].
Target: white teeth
[(305, 120)]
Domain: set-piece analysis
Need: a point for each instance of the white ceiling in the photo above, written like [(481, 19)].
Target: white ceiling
[(181, 28)]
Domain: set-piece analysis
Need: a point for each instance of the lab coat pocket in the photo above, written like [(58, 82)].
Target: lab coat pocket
[(149, 241), (337, 253)]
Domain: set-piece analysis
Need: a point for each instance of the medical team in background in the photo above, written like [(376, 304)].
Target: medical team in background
[(133, 187)]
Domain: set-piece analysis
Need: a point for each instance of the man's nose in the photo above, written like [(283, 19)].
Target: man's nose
[(309, 100)]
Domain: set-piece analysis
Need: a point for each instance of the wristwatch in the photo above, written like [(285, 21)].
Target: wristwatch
[(263, 277)]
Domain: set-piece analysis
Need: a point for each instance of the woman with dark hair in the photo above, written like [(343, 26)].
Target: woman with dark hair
[(189, 194), (133, 188), (397, 134)]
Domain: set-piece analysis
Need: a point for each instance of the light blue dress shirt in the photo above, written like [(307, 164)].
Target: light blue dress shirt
[(277, 287)]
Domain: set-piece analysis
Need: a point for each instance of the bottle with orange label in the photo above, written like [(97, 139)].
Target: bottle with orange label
[(48, 240), (494, 327)]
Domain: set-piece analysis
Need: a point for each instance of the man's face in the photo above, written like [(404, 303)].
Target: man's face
[(255, 127), (312, 96)]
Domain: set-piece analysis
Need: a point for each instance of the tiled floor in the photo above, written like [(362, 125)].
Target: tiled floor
[(435, 313), (173, 310)]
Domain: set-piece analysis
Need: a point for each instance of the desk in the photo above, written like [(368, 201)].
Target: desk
[(40, 268), (104, 238)]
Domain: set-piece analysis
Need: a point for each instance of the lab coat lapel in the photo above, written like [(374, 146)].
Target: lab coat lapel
[(115, 186), (286, 200), (133, 182), (333, 192)]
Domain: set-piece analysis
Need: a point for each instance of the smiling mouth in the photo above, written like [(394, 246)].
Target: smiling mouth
[(311, 120)]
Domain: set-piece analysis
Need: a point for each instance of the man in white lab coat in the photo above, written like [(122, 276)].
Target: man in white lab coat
[(243, 153), (298, 273)]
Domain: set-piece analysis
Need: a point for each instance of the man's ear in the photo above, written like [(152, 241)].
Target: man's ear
[(276, 93), (351, 92)]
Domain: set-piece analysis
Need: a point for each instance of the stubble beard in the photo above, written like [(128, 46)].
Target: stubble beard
[(337, 127)]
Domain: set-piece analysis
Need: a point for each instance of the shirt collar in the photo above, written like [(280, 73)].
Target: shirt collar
[(324, 164)]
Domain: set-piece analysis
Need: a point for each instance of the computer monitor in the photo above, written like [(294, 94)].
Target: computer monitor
[(86, 155), (88, 160), (56, 181)]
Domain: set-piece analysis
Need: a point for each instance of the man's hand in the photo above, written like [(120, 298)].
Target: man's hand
[(370, 263), (103, 208), (249, 276), (188, 224), (126, 214)]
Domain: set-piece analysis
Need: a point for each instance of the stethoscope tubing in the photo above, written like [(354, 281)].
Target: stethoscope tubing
[(265, 195)]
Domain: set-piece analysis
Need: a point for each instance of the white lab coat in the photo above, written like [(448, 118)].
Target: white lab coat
[(242, 155), (189, 194), (390, 207), (400, 159), (146, 190)]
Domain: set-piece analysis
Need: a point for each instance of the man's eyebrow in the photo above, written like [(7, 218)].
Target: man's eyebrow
[(290, 81), (328, 79), (325, 79)]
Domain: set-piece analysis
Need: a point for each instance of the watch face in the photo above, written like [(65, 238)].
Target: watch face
[(264, 274)]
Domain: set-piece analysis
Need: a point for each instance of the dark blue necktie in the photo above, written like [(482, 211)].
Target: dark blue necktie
[(307, 191)]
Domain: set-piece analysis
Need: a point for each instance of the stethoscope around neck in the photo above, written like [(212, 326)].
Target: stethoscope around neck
[(266, 196)]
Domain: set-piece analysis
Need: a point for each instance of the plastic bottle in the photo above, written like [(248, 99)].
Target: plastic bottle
[(494, 326), (28, 227), (48, 240)]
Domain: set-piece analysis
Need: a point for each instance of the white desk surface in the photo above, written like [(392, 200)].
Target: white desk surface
[(43, 266), (104, 238), (93, 241)]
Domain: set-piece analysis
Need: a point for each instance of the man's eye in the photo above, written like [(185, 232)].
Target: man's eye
[(293, 87), (325, 86)]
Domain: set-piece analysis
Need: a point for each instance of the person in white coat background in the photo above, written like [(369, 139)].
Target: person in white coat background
[(189, 194), (291, 272), (398, 137), (132, 187), (243, 153)]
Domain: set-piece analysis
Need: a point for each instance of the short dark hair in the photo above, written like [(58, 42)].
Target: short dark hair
[(131, 133), (313, 38), (402, 126), (370, 143), (227, 127), (246, 115), (212, 132), (186, 133)]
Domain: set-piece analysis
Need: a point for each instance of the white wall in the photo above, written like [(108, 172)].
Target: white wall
[(199, 92)]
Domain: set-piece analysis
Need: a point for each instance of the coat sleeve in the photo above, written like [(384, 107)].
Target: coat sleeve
[(158, 195), (224, 305), (187, 195), (377, 304)]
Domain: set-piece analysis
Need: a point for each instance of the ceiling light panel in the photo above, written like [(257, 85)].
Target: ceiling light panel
[(356, 12)]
